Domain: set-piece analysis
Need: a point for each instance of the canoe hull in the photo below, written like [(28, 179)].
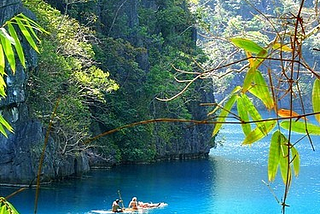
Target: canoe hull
[(128, 210)]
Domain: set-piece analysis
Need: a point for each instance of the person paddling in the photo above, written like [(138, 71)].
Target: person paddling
[(116, 207)]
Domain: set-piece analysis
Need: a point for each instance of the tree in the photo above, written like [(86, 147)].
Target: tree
[(67, 70)]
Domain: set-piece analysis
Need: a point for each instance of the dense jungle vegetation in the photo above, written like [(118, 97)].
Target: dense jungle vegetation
[(108, 68)]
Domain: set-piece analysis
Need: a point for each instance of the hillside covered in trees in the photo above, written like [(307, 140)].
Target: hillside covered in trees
[(105, 64)]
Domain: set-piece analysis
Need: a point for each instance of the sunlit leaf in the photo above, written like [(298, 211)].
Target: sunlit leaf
[(301, 127), (3, 131), (261, 90), (27, 35), (2, 61), (5, 124), (274, 155), (295, 161), (243, 114), (279, 46), (29, 27), (288, 113), (250, 59), (247, 45), (257, 134), (17, 45), (224, 113), (248, 79), (3, 210), (285, 167), (6, 207), (13, 210), (316, 98), (235, 90), (7, 48), (34, 24), (2, 86), (254, 113), (4, 33)]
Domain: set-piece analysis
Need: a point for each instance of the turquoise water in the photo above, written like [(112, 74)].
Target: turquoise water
[(229, 182), (207, 186)]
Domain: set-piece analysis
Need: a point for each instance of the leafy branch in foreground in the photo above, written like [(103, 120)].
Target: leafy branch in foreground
[(9, 41), (282, 151), (274, 72), (6, 207), (10, 46)]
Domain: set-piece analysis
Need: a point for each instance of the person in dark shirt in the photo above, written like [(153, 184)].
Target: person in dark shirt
[(116, 207)]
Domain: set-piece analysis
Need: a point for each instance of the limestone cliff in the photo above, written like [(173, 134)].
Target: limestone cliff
[(20, 152), (183, 141)]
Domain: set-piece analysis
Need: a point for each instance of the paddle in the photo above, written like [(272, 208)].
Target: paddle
[(120, 199)]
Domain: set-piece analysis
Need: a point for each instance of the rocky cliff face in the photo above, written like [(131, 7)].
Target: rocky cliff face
[(20, 152), (187, 141)]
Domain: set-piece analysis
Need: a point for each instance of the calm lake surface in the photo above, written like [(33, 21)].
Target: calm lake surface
[(230, 181)]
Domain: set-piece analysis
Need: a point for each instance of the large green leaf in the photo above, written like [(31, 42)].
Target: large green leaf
[(3, 209), (235, 90), (27, 35), (2, 86), (250, 76), (6, 207), (248, 79), (224, 113), (278, 153), (261, 90), (257, 134), (254, 113), (7, 48), (301, 127), (4, 33), (274, 155), (32, 23), (316, 98), (29, 27), (247, 45), (285, 167), (295, 161), (243, 114), (282, 47), (5, 124), (2, 61), (17, 45)]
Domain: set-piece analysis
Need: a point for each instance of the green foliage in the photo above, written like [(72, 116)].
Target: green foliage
[(247, 45), (301, 127), (144, 71), (224, 113), (280, 150), (9, 39), (273, 66), (67, 70), (260, 89), (6, 207), (316, 98)]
